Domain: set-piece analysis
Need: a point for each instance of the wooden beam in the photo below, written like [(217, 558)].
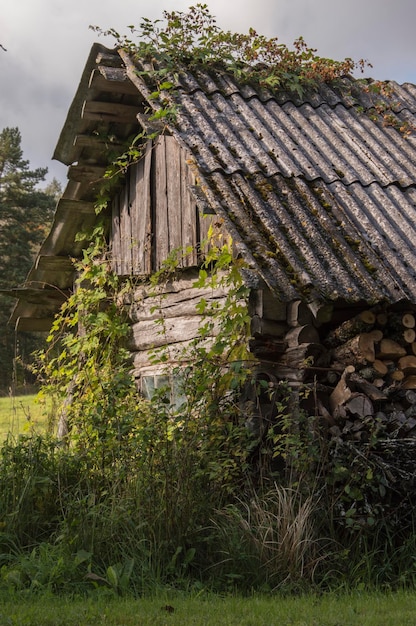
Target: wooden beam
[(38, 296), (101, 143), (30, 324), (85, 173), (75, 207), (112, 80), (109, 112), (110, 59), (54, 263)]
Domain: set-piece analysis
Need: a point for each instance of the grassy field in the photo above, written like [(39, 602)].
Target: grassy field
[(360, 609), (21, 414)]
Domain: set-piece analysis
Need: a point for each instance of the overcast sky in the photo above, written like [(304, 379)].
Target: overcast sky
[(48, 42)]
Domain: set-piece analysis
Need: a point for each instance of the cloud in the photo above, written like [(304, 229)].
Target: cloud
[(48, 43)]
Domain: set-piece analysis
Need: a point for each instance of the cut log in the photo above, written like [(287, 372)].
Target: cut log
[(407, 364), (396, 375), (376, 335), (409, 335), (381, 319), (359, 350), (302, 334), (409, 396), (269, 328), (373, 392), (298, 314), (302, 356), (379, 367), (390, 349), (409, 382), (360, 405), (322, 312), (267, 349), (408, 400), (173, 305), (360, 324), (146, 335), (342, 393), (373, 371), (408, 320), (379, 382)]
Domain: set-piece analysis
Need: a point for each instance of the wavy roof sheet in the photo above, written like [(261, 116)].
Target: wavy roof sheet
[(320, 197)]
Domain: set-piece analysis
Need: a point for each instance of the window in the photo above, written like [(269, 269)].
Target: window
[(169, 385)]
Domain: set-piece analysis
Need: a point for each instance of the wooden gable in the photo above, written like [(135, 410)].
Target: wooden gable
[(156, 212)]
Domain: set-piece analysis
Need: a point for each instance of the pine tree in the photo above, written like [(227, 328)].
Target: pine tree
[(25, 214)]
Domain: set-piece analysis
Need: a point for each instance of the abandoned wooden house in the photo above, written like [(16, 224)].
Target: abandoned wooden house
[(318, 197)]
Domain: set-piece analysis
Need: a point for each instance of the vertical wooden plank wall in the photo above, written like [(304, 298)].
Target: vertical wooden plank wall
[(190, 215), (156, 212)]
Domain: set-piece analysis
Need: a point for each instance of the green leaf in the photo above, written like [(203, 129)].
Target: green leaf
[(112, 576)]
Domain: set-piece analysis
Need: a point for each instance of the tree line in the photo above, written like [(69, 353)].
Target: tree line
[(26, 211)]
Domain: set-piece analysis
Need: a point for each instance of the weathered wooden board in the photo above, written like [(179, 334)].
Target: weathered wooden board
[(176, 305), (192, 230), (110, 79), (126, 240), (146, 334), (177, 353), (173, 192), (115, 236), (141, 213), (86, 173), (160, 204), (109, 111)]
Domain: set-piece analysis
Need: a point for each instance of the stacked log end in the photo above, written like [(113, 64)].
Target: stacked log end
[(375, 354), (363, 369)]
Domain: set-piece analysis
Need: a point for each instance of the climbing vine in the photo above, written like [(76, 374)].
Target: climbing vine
[(192, 40)]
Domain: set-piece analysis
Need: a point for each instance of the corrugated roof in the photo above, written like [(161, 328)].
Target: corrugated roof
[(320, 197), (308, 141)]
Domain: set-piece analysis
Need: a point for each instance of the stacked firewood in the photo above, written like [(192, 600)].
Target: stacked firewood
[(371, 379), (362, 370)]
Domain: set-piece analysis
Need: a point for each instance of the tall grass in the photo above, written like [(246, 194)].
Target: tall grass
[(271, 539), (155, 518)]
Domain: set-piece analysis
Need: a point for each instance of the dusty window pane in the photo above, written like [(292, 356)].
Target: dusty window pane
[(148, 386)]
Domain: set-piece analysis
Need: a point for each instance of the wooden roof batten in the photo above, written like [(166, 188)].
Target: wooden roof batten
[(102, 116)]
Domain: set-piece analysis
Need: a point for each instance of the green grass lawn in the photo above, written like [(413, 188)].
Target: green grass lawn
[(21, 414), (359, 609)]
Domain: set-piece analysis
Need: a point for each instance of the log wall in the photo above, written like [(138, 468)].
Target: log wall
[(175, 303)]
